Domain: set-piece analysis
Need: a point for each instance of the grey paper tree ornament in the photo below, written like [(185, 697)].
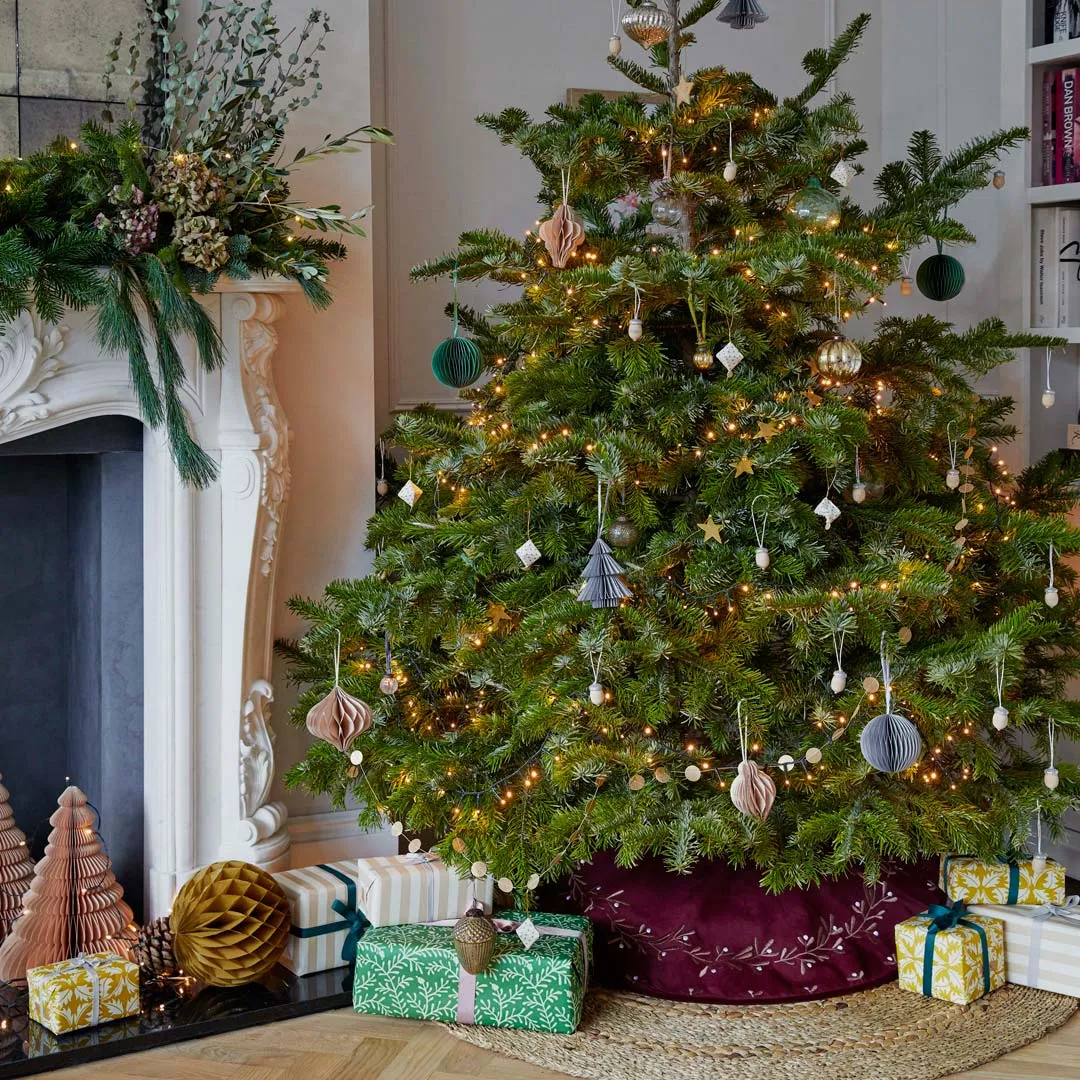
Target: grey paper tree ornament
[(603, 586)]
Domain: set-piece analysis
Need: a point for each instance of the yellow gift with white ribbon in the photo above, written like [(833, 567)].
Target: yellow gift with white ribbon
[(83, 992)]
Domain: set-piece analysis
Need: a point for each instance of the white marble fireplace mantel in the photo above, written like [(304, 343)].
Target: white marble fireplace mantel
[(209, 560)]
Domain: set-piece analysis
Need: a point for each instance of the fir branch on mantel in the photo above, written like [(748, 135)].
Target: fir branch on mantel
[(136, 220)]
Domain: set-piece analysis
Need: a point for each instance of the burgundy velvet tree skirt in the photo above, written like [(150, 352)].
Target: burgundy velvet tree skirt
[(715, 935)]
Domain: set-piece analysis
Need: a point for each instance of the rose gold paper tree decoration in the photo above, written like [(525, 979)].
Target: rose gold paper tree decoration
[(16, 866), (230, 924), (339, 717), (563, 233), (753, 790), (74, 903)]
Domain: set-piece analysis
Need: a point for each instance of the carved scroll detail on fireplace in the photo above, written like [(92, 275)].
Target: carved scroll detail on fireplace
[(29, 356)]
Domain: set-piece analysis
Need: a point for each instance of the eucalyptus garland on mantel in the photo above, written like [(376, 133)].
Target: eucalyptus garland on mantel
[(138, 218)]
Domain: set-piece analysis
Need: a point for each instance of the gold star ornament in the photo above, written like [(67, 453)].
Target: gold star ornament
[(766, 430), (497, 613), (711, 529), (743, 467), (683, 89)]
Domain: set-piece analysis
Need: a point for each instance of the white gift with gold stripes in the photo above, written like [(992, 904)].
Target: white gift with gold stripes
[(398, 889), (1042, 944), (323, 936)]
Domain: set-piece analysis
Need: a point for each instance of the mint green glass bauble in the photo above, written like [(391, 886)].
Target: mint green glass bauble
[(815, 207)]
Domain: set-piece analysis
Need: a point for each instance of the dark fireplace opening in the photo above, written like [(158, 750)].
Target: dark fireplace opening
[(71, 631)]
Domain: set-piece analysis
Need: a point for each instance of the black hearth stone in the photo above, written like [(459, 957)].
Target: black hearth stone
[(168, 1015)]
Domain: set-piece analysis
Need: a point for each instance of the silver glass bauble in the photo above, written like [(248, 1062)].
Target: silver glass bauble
[(622, 532), (891, 743), (668, 211), (388, 684), (839, 358), (647, 25)]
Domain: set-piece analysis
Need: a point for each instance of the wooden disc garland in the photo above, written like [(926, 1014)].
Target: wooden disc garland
[(753, 789), (230, 924), (339, 717)]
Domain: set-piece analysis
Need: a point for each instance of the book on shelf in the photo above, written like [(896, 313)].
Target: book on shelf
[(1055, 267), (1049, 132)]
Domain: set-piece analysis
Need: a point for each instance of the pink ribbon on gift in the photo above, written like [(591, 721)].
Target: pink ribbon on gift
[(466, 995), (427, 859)]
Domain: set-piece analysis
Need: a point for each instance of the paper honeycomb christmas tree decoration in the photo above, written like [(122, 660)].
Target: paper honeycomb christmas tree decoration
[(230, 924), (16, 866), (74, 903)]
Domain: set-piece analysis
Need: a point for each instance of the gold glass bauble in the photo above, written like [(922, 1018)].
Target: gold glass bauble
[(838, 358), (703, 358)]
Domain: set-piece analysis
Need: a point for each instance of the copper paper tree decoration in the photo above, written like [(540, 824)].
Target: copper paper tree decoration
[(74, 903), (16, 866), (339, 717)]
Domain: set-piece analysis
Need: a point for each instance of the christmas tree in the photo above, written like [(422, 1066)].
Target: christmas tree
[(814, 531), (16, 866), (74, 902)]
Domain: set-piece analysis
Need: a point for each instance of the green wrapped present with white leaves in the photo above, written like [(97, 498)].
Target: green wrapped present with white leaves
[(412, 970)]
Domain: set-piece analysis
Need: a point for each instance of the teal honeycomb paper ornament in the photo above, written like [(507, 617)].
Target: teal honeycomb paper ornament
[(940, 277), (815, 207), (457, 361)]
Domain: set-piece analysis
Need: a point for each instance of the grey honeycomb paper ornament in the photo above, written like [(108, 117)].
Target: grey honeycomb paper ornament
[(603, 586), (890, 743), (742, 14)]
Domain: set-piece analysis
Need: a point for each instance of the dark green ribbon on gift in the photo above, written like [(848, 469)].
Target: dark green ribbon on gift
[(947, 918), (1014, 877), (350, 917)]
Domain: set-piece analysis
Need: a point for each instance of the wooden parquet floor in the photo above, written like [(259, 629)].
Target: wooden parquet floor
[(342, 1046)]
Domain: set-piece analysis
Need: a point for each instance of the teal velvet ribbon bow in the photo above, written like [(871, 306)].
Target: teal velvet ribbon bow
[(1014, 877), (947, 918), (351, 917)]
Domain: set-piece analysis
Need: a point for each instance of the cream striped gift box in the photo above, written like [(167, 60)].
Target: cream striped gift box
[(326, 922), (398, 889), (1042, 944)]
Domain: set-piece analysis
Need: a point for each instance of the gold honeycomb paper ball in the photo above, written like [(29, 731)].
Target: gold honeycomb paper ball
[(230, 924)]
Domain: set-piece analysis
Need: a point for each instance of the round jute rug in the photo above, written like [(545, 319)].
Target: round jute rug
[(882, 1034)]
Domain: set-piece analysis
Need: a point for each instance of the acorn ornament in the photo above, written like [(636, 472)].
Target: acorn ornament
[(596, 687), (906, 285), (731, 170), (388, 684), (753, 790), (474, 939), (636, 328), (858, 489), (1050, 773), (952, 477), (1001, 714), (762, 559), (1048, 395), (339, 717), (1050, 597), (1038, 860), (382, 485), (1051, 778), (614, 45), (596, 693), (1038, 865), (838, 682)]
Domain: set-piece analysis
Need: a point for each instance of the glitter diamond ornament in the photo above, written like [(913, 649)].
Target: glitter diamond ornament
[(527, 934), (528, 553), (844, 173), (647, 25), (730, 357), (828, 510), (410, 493)]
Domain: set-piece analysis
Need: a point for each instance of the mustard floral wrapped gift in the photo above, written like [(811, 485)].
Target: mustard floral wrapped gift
[(950, 954), (83, 992), (984, 881)]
